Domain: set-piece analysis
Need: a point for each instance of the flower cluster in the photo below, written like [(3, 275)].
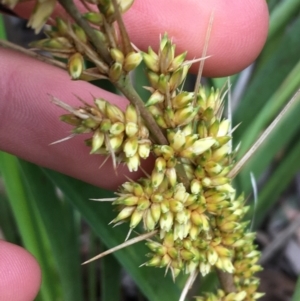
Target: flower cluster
[(121, 135), (188, 198)]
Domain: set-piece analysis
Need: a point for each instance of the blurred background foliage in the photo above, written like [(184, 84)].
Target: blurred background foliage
[(48, 213)]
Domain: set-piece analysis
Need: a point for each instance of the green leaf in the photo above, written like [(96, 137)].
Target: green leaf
[(265, 80), (281, 177), (110, 280), (58, 218), (296, 296), (284, 132)]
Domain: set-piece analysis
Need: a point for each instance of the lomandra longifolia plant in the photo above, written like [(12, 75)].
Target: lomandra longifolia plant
[(187, 207)]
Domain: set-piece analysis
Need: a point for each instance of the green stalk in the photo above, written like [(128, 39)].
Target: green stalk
[(101, 49)]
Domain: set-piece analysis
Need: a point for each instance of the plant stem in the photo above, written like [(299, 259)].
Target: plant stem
[(101, 49), (8, 45), (48, 60), (226, 281), (124, 34)]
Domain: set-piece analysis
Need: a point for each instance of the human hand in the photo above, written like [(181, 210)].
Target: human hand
[(29, 122)]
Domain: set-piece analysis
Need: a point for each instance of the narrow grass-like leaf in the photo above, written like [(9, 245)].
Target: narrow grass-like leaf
[(296, 296), (272, 107), (280, 178), (93, 269), (266, 79), (110, 278), (282, 135), (7, 221), (2, 28), (58, 218), (282, 15)]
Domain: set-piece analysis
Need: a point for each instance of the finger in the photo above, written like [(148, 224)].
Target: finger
[(30, 123), (238, 34), (19, 273)]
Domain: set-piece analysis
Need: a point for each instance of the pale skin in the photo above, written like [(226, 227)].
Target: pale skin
[(31, 122)]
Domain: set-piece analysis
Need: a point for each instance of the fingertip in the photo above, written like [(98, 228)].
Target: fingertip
[(239, 30), (20, 273)]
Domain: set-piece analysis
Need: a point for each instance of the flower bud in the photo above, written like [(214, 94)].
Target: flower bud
[(115, 142), (195, 186), (213, 168), (225, 264), (153, 79), (130, 147), (177, 77), (70, 119), (166, 221), (124, 214), (166, 53), (214, 128), (105, 125), (149, 222), (199, 147), (172, 176), (127, 201), (79, 32), (144, 150), (202, 130), (205, 269), (62, 26), (124, 5), (117, 128), (101, 36), (132, 60), (155, 212), (117, 55), (177, 140), (115, 72), (136, 217), (41, 13), (151, 61), (97, 140), (177, 61), (94, 18), (182, 99), (75, 65), (113, 112), (154, 262), (155, 98), (221, 153), (133, 162), (131, 129), (131, 114), (224, 128), (143, 204), (185, 115)]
